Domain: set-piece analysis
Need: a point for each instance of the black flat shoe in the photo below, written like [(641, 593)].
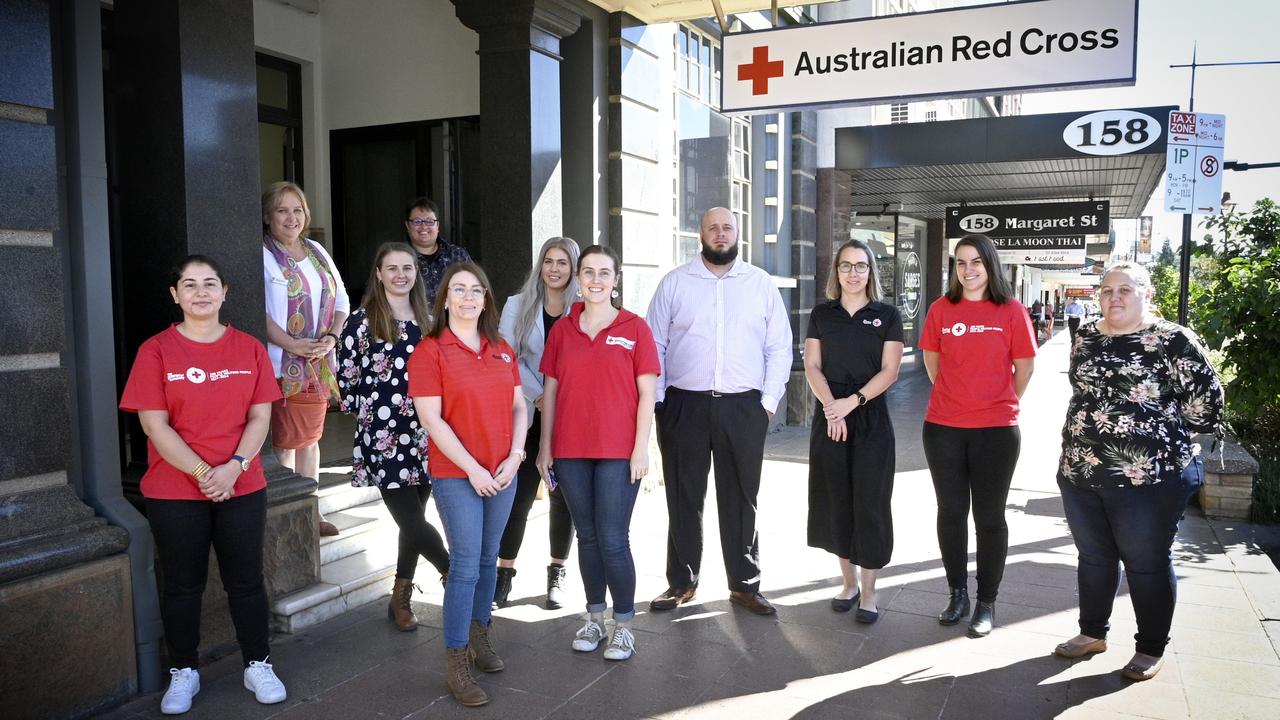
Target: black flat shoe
[(867, 617), (840, 605), (984, 618), (957, 607)]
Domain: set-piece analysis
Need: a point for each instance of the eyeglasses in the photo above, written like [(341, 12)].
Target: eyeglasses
[(847, 267), (460, 291), (419, 222)]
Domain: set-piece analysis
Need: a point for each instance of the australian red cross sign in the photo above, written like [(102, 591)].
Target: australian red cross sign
[(980, 50)]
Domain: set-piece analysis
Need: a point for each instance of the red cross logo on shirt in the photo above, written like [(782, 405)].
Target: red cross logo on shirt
[(760, 70)]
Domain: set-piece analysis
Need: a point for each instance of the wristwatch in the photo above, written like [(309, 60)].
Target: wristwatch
[(523, 455), (862, 399), (244, 462)]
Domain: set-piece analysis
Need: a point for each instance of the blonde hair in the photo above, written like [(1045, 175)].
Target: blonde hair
[(1140, 275), (271, 199), (533, 295)]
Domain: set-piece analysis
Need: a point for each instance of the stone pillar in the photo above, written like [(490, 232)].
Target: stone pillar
[(187, 93), (520, 127), (805, 237), (64, 582)]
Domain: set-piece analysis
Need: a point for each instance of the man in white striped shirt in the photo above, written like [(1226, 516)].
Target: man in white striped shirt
[(725, 344)]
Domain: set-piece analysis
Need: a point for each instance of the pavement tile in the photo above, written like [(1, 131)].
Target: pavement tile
[(1246, 647), (503, 703), (723, 700), (555, 671), (1197, 594), (966, 702), (1215, 618), (1220, 704), (1109, 691), (1231, 676), (794, 652), (627, 691)]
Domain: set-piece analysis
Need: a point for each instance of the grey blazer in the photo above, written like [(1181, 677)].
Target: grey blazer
[(529, 361)]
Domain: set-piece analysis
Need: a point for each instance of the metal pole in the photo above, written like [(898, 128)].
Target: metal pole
[(1184, 267)]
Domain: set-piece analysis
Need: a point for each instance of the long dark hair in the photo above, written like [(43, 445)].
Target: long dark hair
[(175, 273), (610, 253), (999, 291), (382, 322), (488, 322)]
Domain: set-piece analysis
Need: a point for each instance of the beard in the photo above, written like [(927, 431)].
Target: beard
[(720, 258)]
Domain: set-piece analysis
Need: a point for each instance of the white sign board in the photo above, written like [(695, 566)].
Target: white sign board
[(1193, 167), (1042, 257), (957, 52)]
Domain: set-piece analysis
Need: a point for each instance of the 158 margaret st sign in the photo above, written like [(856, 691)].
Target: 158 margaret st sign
[(980, 50)]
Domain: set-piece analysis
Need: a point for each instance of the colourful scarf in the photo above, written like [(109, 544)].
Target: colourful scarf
[(296, 373)]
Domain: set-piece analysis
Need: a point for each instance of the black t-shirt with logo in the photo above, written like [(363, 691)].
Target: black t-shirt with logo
[(853, 346)]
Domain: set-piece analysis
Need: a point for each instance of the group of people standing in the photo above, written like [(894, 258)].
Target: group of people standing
[(562, 387)]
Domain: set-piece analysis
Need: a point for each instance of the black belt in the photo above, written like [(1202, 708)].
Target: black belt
[(715, 394)]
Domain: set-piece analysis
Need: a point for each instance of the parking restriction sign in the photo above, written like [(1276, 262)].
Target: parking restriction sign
[(1193, 167)]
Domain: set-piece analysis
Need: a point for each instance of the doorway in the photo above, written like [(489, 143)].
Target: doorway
[(378, 170)]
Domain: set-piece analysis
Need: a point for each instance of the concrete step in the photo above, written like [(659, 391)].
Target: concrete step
[(357, 526), (336, 497)]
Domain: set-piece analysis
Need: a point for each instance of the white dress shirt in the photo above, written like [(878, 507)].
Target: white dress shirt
[(729, 334), (278, 294)]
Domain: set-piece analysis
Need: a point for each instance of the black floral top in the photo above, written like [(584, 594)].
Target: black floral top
[(1135, 401), (432, 267), (390, 448)]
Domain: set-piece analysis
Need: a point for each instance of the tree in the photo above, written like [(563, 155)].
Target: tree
[(1166, 256), (1240, 310)]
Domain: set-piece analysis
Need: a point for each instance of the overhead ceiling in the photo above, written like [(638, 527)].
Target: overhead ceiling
[(661, 11), (924, 167), (926, 190)]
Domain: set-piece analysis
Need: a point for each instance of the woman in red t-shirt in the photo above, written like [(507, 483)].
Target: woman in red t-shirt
[(465, 386), (601, 375), (203, 394), (979, 350)]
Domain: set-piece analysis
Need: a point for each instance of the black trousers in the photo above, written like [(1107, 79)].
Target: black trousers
[(851, 486), (1073, 324), (694, 431), (407, 504), (972, 464), (184, 530), (527, 481)]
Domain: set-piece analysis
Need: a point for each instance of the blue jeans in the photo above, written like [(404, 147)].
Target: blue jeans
[(1136, 526), (473, 525), (601, 496)]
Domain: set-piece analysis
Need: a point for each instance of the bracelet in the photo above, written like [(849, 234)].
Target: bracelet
[(329, 334), (199, 471)]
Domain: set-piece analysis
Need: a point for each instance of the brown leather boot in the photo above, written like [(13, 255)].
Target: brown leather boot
[(482, 649), (461, 684), (400, 611)]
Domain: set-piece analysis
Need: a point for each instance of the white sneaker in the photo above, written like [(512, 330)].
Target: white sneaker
[(621, 646), (589, 637), (262, 680), (183, 685)]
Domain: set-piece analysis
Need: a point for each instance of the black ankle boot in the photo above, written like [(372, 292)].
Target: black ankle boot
[(957, 607), (555, 586), (503, 588), (984, 618)]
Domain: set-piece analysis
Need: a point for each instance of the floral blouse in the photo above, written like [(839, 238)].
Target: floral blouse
[(1135, 401), (390, 448)]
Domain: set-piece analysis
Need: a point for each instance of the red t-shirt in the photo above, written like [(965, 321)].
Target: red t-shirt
[(207, 389), (476, 391), (977, 342), (596, 394)]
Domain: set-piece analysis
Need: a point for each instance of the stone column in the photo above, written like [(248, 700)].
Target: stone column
[(520, 129), (64, 580), (805, 253)]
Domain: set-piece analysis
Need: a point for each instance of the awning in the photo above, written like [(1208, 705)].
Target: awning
[(920, 168)]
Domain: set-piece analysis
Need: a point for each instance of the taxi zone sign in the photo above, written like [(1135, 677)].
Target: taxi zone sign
[(982, 50)]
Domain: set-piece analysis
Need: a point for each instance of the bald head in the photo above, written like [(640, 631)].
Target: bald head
[(719, 233)]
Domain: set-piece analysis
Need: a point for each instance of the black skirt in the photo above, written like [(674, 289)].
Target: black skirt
[(851, 487)]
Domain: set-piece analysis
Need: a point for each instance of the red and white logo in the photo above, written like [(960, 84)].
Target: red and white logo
[(760, 70), (195, 375), (959, 329)]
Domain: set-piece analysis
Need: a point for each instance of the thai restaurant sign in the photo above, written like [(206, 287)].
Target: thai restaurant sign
[(1034, 233), (957, 52)]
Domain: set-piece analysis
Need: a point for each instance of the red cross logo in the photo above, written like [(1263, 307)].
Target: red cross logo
[(760, 70)]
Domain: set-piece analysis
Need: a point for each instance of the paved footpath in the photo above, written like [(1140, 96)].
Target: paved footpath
[(711, 660)]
